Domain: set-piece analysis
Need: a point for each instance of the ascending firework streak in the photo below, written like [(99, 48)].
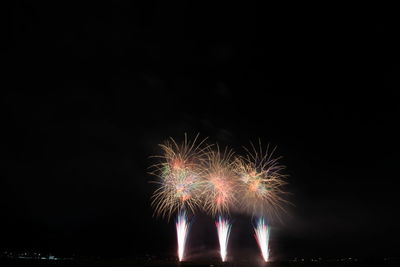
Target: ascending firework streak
[(262, 236), (219, 192), (180, 186), (224, 229), (182, 228)]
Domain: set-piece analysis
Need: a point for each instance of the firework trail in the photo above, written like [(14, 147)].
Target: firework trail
[(224, 229), (261, 180), (262, 236), (182, 228)]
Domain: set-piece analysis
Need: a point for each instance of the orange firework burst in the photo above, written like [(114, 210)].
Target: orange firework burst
[(261, 182), (219, 182), (180, 173)]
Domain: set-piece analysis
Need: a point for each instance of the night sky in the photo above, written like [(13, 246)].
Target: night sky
[(90, 91)]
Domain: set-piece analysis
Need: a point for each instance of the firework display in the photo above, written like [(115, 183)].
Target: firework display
[(261, 190), (197, 176), (219, 192), (180, 185)]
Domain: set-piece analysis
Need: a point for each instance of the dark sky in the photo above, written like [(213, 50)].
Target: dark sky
[(89, 91)]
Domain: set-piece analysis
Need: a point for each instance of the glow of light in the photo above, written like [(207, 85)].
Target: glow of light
[(224, 229), (262, 237), (182, 228)]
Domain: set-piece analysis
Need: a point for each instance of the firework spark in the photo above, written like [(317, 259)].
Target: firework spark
[(262, 236), (261, 183), (224, 229), (182, 228), (220, 182), (180, 177)]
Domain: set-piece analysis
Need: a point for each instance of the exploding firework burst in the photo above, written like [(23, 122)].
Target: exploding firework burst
[(262, 236), (180, 173), (219, 182), (261, 183), (224, 230)]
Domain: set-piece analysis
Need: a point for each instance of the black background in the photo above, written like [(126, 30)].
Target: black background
[(89, 91)]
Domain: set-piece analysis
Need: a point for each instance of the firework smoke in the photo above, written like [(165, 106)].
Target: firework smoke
[(262, 236), (182, 228), (224, 229)]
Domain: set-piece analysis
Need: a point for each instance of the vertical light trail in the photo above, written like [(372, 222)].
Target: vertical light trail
[(224, 229), (182, 228), (262, 237)]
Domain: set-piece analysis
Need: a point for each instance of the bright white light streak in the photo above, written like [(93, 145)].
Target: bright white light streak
[(262, 237), (182, 228), (224, 229)]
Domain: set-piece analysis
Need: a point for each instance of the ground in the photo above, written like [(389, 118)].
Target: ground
[(105, 263)]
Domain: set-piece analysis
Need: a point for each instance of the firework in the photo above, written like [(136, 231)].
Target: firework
[(219, 182), (262, 236), (182, 228), (180, 177), (219, 192), (191, 175), (224, 229), (261, 183)]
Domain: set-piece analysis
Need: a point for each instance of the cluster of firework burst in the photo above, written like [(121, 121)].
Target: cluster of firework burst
[(194, 175)]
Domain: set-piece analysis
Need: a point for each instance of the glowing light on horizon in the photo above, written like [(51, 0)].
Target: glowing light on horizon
[(224, 230), (182, 228), (262, 236)]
